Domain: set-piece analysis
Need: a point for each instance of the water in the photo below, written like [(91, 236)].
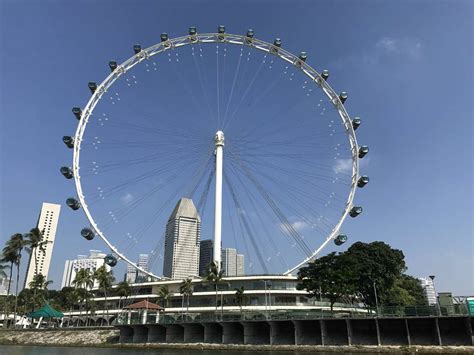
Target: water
[(49, 350)]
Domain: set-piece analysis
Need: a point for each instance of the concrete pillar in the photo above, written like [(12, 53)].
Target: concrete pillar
[(364, 332), (232, 333), (324, 332), (408, 332), (140, 334), (307, 332), (438, 333), (144, 315), (282, 333), (156, 333), (256, 333), (174, 333), (349, 332), (336, 332), (126, 333), (212, 333), (377, 328), (129, 317), (193, 333)]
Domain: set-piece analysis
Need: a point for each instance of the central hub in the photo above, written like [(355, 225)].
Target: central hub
[(219, 139)]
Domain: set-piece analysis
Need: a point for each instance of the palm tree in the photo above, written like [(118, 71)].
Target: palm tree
[(105, 280), (7, 258), (83, 281), (12, 253), (34, 243), (240, 297), (164, 295), (122, 290), (39, 283), (186, 289), (215, 276)]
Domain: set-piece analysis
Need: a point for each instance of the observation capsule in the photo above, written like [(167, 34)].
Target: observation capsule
[(340, 239), (87, 233), (67, 172), (343, 96), (192, 30), (303, 56), (110, 260), (250, 33), (112, 65), (325, 74), (73, 203), (363, 180), (356, 122), (69, 141), (277, 42), (355, 211), (363, 150), (137, 48), (221, 29), (92, 86), (164, 37), (77, 112)]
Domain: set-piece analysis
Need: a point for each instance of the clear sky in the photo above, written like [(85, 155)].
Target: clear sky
[(407, 65)]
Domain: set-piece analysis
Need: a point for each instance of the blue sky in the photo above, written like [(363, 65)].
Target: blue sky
[(406, 65)]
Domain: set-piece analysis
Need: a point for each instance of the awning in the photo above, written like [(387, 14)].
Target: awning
[(46, 312), (145, 305)]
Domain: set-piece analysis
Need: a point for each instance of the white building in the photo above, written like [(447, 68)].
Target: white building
[(47, 224), (143, 260), (232, 263), (131, 274), (92, 262), (183, 232), (428, 289), (4, 282)]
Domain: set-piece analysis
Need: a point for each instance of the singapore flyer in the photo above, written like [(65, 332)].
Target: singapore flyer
[(246, 133)]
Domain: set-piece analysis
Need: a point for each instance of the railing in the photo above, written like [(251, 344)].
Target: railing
[(383, 312)]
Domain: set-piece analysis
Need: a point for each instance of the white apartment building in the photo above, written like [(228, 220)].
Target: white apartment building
[(183, 232), (428, 289), (92, 262), (47, 224)]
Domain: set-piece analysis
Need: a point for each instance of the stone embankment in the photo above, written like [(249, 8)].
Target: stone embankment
[(108, 337)]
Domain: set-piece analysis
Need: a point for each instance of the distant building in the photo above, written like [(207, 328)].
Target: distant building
[(92, 262), (4, 282), (428, 289), (206, 252), (232, 263), (131, 274), (183, 232), (47, 224), (143, 260)]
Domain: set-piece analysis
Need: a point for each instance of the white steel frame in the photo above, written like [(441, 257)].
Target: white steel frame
[(161, 47)]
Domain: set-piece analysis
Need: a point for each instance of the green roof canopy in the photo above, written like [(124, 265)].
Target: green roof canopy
[(46, 312)]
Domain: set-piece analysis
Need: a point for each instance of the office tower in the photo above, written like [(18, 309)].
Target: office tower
[(240, 265), (92, 262), (4, 283), (183, 231), (229, 261), (47, 224), (206, 252), (143, 263), (131, 275), (428, 289)]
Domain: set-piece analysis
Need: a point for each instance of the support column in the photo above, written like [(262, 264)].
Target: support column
[(324, 332), (219, 143), (377, 328), (438, 333), (408, 332), (349, 332)]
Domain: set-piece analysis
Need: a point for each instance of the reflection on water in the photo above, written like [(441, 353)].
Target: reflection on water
[(48, 350)]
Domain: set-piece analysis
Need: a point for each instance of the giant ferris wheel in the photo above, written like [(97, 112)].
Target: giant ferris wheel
[(231, 121)]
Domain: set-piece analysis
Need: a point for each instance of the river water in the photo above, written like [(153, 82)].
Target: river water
[(49, 350)]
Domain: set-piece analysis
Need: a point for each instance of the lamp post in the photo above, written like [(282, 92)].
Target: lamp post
[(438, 308), (376, 300)]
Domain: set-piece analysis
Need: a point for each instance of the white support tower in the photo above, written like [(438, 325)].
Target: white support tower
[(219, 152)]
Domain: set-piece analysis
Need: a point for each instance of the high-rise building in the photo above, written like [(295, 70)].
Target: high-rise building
[(206, 252), (232, 263), (428, 289), (4, 283), (143, 260), (92, 262), (47, 224), (131, 275), (183, 232)]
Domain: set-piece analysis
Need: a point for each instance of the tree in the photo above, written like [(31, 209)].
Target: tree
[(377, 263), (82, 282), (407, 291), (122, 290), (164, 294), (12, 252), (332, 275), (8, 257), (240, 297), (214, 275), (186, 289), (34, 243), (105, 279), (39, 283)]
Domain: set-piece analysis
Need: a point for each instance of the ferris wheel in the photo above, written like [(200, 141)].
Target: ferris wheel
[(222, 115)]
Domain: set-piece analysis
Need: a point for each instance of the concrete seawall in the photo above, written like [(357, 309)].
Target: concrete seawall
[(432, 331)]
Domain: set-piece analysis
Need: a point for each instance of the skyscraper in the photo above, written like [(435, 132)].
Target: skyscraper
[(206, 252), (47, 224), (232, 263), (92, 262), (183, 232), (131, 275), (143, 263)]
